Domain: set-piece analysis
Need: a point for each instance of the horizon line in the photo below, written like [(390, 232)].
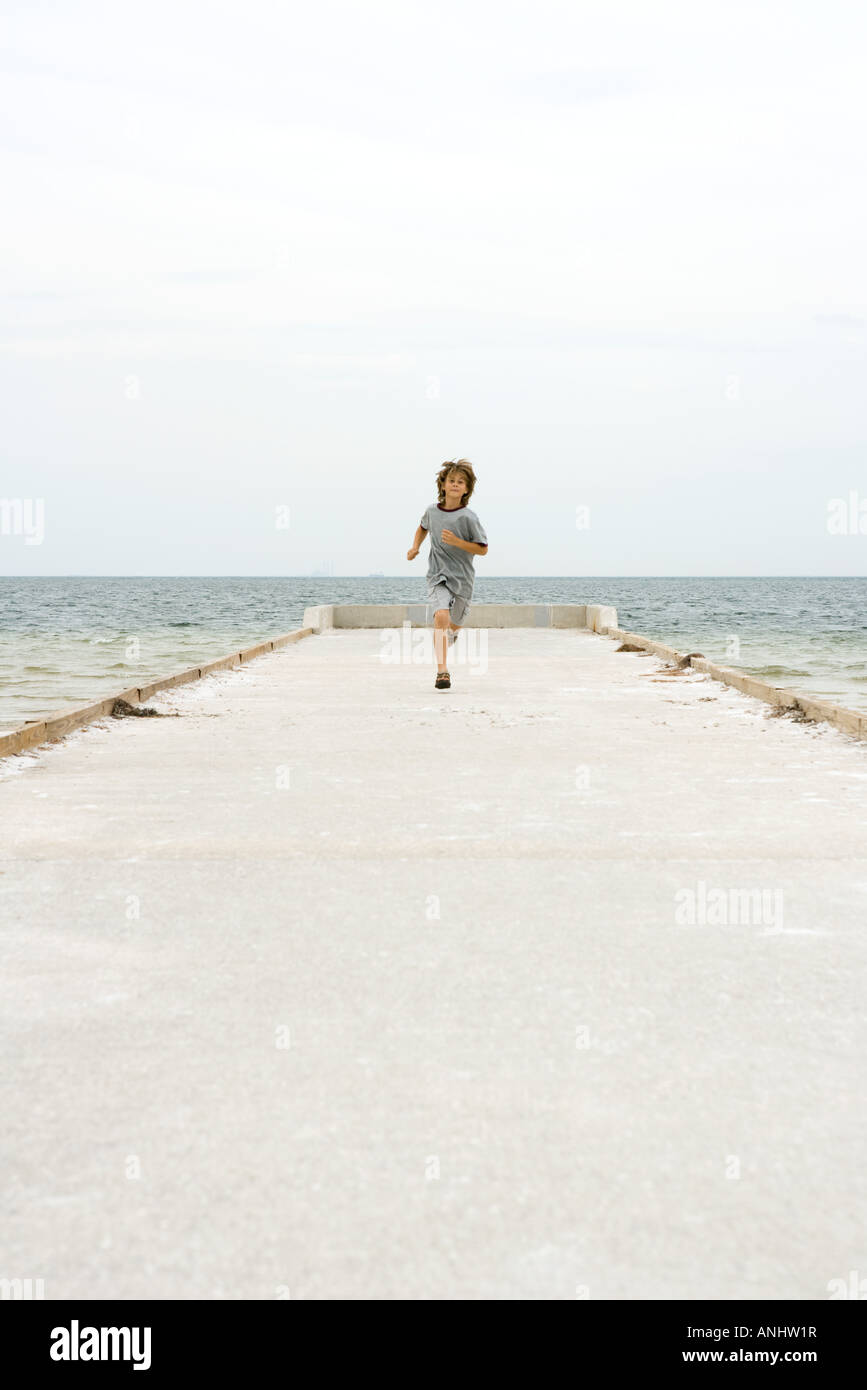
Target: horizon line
[(479, 578)]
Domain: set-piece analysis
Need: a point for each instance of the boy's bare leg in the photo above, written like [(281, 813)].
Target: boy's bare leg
[(441, 623)]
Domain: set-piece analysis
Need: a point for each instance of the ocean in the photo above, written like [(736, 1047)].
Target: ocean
[(70, 640)]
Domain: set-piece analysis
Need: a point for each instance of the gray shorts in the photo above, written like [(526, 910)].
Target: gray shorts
[(441, 596)]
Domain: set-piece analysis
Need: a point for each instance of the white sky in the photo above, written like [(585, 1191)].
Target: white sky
[(258, 255)]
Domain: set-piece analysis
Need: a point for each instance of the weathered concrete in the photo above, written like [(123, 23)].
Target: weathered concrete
[(56, 726), (803, 706), (515, 1069)]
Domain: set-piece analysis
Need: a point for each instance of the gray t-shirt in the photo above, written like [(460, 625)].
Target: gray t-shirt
[(448, 564)]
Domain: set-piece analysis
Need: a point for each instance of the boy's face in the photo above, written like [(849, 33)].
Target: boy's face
[(455, 486)]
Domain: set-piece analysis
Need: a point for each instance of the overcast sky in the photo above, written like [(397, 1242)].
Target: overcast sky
[(261, 256)]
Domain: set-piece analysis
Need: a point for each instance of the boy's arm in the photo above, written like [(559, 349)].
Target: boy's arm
[(474, 547), (417, 542)]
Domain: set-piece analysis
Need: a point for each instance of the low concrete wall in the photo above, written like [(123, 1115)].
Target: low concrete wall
[(382, 615), (54, 726), (600, 617), (802, 706)]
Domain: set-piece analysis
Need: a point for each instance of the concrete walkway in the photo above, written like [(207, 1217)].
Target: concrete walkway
[(336, 986)]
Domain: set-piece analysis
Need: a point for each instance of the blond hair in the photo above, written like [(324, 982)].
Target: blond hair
[(456, 466)]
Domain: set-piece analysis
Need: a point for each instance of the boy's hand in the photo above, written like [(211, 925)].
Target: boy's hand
[(451, 539), (411, 554)]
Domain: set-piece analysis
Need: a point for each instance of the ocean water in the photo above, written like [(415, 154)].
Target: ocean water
[(70, 640)]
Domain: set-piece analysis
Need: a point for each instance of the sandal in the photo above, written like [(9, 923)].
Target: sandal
[(443, 681)]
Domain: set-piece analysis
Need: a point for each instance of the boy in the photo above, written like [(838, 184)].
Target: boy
[(456, 535)]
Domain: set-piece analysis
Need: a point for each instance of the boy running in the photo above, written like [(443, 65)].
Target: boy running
[(456, 535)]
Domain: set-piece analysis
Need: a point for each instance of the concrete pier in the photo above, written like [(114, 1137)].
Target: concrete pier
[(337, 986)]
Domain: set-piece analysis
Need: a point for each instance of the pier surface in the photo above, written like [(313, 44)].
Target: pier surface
[(338, 986)]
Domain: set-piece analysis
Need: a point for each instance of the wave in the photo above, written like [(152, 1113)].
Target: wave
[(787, 671)]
